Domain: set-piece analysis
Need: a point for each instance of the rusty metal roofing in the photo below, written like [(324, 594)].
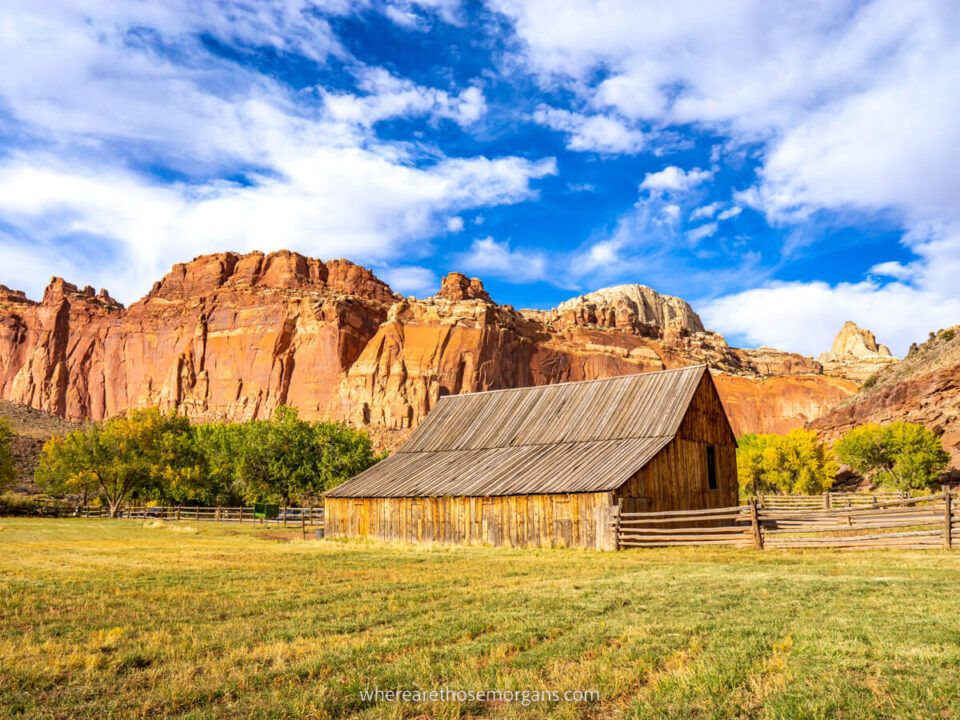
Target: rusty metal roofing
[(570, 437)]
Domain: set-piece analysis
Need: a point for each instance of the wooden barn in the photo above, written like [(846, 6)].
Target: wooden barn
[(545, 466)]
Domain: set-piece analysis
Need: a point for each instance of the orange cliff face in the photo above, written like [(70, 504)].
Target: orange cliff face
[(226, 335), (233, 336)]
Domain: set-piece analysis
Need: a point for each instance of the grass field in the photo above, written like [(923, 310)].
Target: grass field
[(104, 619)]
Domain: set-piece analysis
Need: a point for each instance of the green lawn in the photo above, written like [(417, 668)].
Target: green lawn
[(104, 618)]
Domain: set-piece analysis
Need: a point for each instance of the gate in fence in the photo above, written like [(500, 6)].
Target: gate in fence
[(906, 523)]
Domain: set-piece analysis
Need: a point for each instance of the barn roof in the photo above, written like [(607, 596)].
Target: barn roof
[(570, 437)]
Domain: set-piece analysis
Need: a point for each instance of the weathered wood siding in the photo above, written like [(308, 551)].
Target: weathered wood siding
[(570, 520), (676, 478)]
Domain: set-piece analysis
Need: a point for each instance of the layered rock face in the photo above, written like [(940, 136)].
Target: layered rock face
[(924, 388), (233, 336), (855, 354), (226, 335)]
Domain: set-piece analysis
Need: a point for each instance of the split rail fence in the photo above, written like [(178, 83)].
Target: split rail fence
[(907, 523), (286, 516)]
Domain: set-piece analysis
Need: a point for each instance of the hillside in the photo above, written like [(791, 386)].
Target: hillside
[(924, 387), (234, 336), (32, 428)]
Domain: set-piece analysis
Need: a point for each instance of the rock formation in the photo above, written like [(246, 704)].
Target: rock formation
[(924, 387), (632, 308), (855, 354), (233, 336), (226, 335)]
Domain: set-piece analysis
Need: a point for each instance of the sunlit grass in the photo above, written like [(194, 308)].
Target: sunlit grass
[(115, 618)]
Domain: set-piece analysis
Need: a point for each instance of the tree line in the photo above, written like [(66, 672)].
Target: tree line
[(149, 455), (895, 456)]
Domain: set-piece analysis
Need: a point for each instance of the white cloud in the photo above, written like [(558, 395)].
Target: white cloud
[(390, 97), (455, 224), (730, 213), (487, 256), (701, 233), (706, 211), (852, 105), (591, 133), (91, 88), (331, 202), (410, 279), (894, 269), (804, 317), (674, 179)]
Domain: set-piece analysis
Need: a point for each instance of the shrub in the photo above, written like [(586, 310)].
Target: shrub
[(796, 463), (900, 455)]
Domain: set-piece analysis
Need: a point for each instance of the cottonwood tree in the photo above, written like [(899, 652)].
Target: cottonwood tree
[(144, 452), (796, 463), (901, 455)]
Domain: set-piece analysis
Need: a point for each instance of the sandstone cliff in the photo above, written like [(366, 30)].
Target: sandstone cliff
[(924, 387), (855, 354), (233, 336), (223, 336)]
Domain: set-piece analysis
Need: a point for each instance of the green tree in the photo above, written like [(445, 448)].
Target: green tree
[(221, 445), (8, 472), (795, 463), (344, 453), (901, 455), (138, 455), (283, 459)]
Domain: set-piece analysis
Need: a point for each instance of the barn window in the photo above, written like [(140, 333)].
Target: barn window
[(711, 467)]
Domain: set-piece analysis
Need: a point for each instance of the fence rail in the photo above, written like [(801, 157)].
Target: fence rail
[(828, 500), (286, 515), (890, 520)]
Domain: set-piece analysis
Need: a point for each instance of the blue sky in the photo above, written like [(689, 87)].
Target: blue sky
[(783, 166)]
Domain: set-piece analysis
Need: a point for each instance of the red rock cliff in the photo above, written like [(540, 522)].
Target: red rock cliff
[(234, 336)]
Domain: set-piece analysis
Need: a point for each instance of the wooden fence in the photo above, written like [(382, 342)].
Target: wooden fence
[(828, 500), (906, 523), (288, 515)]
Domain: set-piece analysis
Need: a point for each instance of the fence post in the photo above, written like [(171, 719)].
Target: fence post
[(284, 515), (303, 525), (826, 500), (755, 524), (947, 518), (616, 524)]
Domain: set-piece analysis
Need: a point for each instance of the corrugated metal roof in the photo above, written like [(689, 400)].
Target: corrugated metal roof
[(571, 437)]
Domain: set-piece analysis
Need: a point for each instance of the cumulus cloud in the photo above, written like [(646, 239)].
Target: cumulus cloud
[(805, 316), (92, 93), (852, 106), (591, 133), (489, 257), (674, 179)]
